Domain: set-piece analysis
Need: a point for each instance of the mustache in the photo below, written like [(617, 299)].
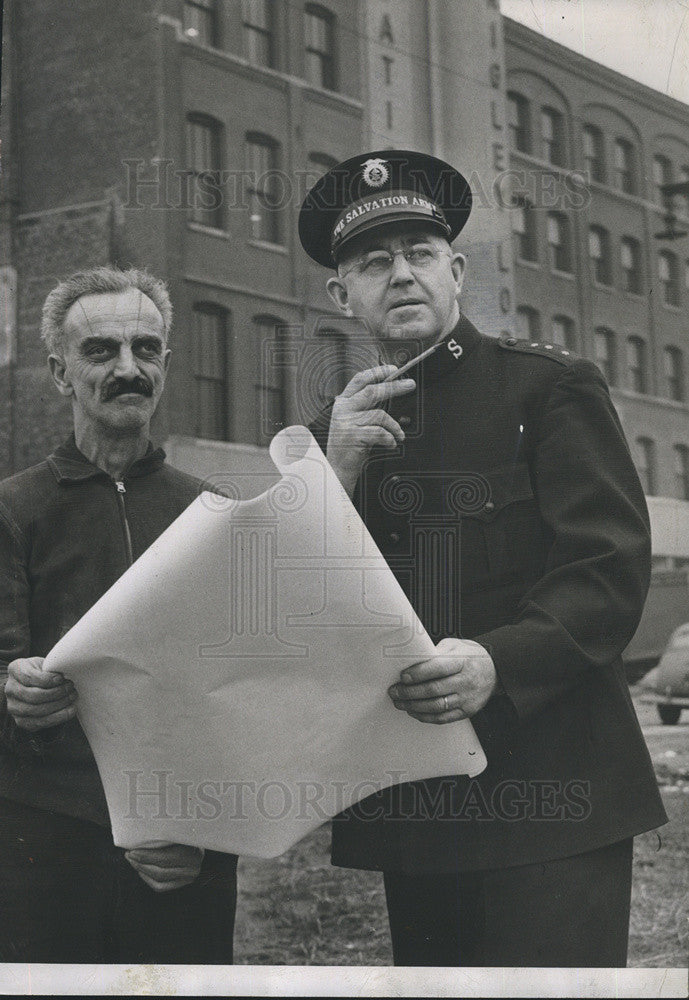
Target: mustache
[(120, 386)]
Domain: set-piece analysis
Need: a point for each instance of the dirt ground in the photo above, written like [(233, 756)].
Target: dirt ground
[(298, 910)]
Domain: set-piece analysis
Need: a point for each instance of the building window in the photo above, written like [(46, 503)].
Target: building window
[(599, 253), (519, 122), (674, 373), (210, 372), (528, 323), (552, 137), (200, 22), (630, 258), (682, 470), (270, 336), (625, 172), (560, 242), (318, 164), (319, 54), (662, 174), (605, 354), (636, 364), (563, 332), (684, 177), (524, 229), (594, 156), (204, 156), (259, 32), (263, 187), (668, 274), (645, 450)]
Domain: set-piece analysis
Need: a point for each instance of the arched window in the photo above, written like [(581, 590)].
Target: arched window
[(599, 253), (317, 165), (594, 153), (319, 46), (668, 275), (606, 353), (519, 121), (204, 160), (553, 136), (630, 259), (662, 174), (524, 229), (263, 187), (560, 240), (646, 464), (625, 166), (270, 335), (681, 453), (563, 332), (674, 373), (209, 332), (528, 323), (636, 364), (258, 21), (200, 22)]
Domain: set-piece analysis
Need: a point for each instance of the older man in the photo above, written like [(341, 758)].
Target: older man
[(495, 478), (69, 527)]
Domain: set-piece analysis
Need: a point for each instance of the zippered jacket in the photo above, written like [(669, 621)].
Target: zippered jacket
[(68, 531)]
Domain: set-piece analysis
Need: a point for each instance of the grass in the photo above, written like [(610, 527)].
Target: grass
[(298, 910)]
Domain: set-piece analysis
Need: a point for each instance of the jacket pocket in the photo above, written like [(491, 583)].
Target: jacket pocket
[(506, 531)]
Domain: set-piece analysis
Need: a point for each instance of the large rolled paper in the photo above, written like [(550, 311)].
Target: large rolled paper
[(233, 682)]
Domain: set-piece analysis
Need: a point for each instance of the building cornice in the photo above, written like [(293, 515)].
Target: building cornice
[(530, 41)]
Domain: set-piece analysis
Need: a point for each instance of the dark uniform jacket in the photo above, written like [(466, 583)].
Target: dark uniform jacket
[(513, 515), (66, 534)]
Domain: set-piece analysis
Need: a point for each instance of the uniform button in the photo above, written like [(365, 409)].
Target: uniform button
[(489, 505), (394, 536), (404, 421), (511, 341)]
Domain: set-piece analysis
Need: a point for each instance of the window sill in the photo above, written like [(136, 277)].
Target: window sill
[(533, 264), (267, 245), (198, 227), (599, 286), (671, 307), (568, 275)]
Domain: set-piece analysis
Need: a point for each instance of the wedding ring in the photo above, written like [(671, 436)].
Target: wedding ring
[(445, 702)]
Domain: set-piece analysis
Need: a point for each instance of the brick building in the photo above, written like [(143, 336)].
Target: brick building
[(182, 135)]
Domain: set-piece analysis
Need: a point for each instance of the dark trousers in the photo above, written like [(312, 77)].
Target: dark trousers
[(570, 913), (67, 894)]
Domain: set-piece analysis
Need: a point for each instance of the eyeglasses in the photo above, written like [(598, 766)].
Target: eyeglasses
[(377, 264)]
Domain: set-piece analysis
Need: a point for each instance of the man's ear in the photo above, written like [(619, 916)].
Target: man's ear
[(166, 359), (458, 265), (337, 290), (58, 369)]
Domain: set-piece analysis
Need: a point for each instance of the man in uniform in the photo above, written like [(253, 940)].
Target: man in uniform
[(495, 478), (69, 527)]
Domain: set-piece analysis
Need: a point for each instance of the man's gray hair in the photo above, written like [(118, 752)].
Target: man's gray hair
[(98, 281)]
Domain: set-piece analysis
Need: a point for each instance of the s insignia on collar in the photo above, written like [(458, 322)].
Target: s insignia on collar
[(454, 348), (375, 173)]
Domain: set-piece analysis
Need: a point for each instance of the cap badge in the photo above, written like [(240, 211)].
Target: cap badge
[(375, 173)]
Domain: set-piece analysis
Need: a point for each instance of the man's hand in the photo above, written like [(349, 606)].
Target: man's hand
[(166, 866), (37, 698), (454, 684), (358, 422)]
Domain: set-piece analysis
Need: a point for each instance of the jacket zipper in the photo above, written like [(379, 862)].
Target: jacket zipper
[(121, 490)]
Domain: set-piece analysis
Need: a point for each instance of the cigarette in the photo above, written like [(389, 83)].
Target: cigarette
[(414, 361)]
